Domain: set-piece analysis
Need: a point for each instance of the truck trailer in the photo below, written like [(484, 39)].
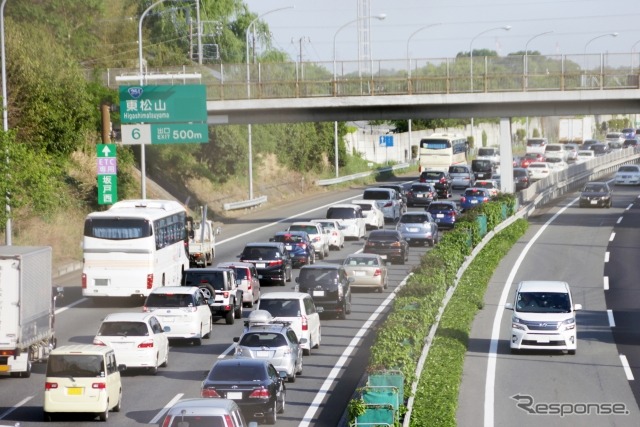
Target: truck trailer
[(27, 308)]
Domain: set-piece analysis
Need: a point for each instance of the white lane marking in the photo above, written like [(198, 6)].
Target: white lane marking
[(606, 256), (626, 367), (66, 307), (227, 351), (619, 220), (342, 361), (283, 220), (612, 323), (613, 236), (489, 388), (629, 207), (605, 279), (16, 406), (166, 407)]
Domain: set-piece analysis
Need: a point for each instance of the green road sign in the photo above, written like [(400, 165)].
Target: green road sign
[(170, 133), (163, 104), (107, 174)]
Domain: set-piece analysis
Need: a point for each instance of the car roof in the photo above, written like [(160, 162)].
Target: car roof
[(208, 269), (365, 202), (284, 295), (203, 406), (543, 286), (304, 223), (241, 362), (443, 202), (276, 245), (81, 349), (382, 233), (234, 264), (364, 255), (321, 267), (187, 290), (127, 317)]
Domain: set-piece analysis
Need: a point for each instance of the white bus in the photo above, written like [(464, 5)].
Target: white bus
[(134, 247), (441, 150)]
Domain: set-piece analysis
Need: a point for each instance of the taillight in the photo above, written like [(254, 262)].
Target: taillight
[(99, 386), (410, 193), (261, 393), (50, 386), (84, 281), (275, 263), (98, 342), (442, 180), (334, 233), (316, 239), (462, 199), (7, 352), (485, 199), (388, 205), (146, 344), (150, 281), (209, 392), (378, 272), (395, 244), (228, 422), (145, 309), (305, 324), (167, 421)]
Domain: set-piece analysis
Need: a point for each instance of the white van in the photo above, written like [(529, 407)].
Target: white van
[(299, 309), (537, 145), (544, 317), (351, 218), (82, 378)]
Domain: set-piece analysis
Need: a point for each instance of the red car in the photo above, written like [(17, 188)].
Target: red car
[(530, 158)]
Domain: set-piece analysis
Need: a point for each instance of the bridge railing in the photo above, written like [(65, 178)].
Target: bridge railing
[(483, 74)]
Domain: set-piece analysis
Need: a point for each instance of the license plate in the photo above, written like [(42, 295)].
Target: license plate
[(318, 293), (359, 273), (259, 276), (594, 202), (4, 368), (101, 282), (288, 247), (262, 353), (74, 391), (413, 229), (474, 202), (542, 340), (261, 265), (234, 395), (420, 195), (439, 215)]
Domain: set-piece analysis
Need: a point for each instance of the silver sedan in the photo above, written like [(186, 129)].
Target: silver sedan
[(366, 271), (418, 227)]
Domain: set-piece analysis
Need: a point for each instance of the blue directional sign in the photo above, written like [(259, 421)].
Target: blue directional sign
[(386, 141)]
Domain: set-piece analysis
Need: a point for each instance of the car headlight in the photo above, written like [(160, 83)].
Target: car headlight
[(516, 323), (569, 324)]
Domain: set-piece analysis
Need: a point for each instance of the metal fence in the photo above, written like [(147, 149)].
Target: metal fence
[(482, 74)]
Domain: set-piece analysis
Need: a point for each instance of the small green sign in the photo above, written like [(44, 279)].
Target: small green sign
[(163, 104), (107, 189), (166, 133)]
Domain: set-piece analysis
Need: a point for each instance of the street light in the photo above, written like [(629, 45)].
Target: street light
[(379, 17), (526, 66), (632, 50), (409, 40), (589, 42), (249, 133), (505, 28)]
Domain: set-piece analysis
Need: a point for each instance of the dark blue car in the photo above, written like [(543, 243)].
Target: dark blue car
[(473, 197), (444, 213), (299, 246)]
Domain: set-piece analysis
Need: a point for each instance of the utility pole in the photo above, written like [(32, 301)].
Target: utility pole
[(301, 40)]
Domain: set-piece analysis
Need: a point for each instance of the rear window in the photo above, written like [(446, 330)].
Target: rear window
[(440, 207), (75, 365), (258, 253), (197, 421), (628, 169), (262, 339), (125, 329), (383, 237), (376, 195), (281, 307), (364, 206), (341, 213), (195, 278), (536, 142), (537, 166), (239, 373), (317, 276), (486, 151), (413, 218), (554, 148), (432, 175), (309, 229), (474, 192), (458, 169), (169, 300), (288, 238)]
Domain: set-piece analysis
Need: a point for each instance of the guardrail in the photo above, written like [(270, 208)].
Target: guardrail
[(244, 203), (332, 181)]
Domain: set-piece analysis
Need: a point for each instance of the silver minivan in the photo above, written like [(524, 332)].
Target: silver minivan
[(200, 412), (461, 176)]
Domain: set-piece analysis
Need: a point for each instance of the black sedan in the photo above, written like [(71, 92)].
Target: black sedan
[(298, 245), (254, 384), (328, 286), (389, 244), (421, 195), (596, 194)]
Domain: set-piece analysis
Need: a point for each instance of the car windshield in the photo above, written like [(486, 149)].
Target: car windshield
[(125, 329), (543, 302), (535, 142), (431, 175), (195, 278), (237, 373), (263, 339), (594, 188), (281, 307), (75, 365), (628, 169), (341, 213), (553, 148), (413, 218), (485, 184)]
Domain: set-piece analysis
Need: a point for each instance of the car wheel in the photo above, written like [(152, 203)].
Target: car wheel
[(238, 311), (208, 334), (229, 318), (306, 351), (284, 402), (299, 371), (119, 404), (292, 378), (153, 370), (47, 417), (272, 417), (319, 339), (166, 359), (348, 307), (379, 289), (572, 352), (342, 315), (104, 416), (197, 341), (322, 254)]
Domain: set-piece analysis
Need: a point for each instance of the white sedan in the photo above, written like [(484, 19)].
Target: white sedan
[(557, 164), (373, 215), (491, 185), (628, 174), (336, 236), (539, 170)]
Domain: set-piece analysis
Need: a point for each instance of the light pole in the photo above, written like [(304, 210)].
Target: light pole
[(526, 66), (505, 28), (589, 42), (632, 50), (379, 17), (5, 119), (249, 133), (143, 166)]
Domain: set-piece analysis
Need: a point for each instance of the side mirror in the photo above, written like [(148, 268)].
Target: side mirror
[(508, 306), (166, 329), (236, 339), (282, 375), (122, 368), (577, 307)]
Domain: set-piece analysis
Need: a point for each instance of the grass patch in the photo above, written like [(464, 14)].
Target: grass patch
[(436, 399)]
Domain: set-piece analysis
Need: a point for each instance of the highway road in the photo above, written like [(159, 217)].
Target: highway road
[(596, 252), (145, 397)]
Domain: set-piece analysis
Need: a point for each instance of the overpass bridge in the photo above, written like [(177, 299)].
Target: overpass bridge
[(462, 87)]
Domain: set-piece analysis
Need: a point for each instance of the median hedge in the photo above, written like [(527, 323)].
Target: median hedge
[(401, 338)]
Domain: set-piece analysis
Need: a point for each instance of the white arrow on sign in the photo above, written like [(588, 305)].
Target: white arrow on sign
[(106, 151), (136, 134)]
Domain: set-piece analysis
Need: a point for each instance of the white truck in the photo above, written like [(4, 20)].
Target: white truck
[(576, 130), (27, 308), (202, 241)]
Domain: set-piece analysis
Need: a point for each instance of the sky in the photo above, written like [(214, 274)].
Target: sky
[(455, 26)]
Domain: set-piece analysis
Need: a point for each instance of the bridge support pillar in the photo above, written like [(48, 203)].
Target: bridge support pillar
[(506, 156)]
